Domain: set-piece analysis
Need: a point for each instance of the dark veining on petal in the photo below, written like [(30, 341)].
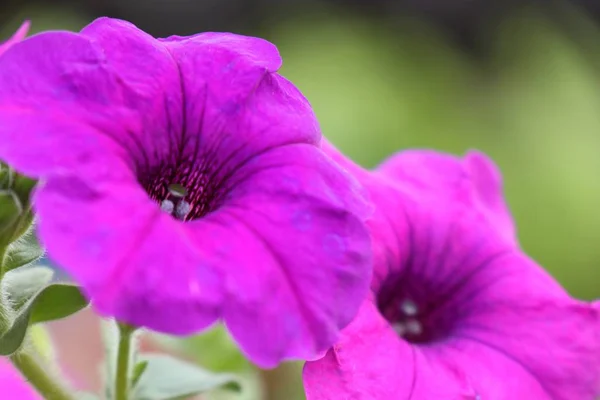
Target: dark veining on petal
[(432, 291), (208, 169)]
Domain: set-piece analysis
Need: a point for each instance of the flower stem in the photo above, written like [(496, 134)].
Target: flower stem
[(35, 373), (124, 356)]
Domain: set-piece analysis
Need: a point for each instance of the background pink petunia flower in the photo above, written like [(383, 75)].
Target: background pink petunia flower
[(13, 385), (16, 37), (457, 310), (182, 183)]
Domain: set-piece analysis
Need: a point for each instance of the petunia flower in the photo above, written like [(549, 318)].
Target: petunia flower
[(457, 310), (16, 37), (182, 183), (13, 385)]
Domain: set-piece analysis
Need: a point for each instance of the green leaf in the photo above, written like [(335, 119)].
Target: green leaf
[(57, 301), (10, 210), (138, 370), (51, 302), (214, 349), (23, 252), (21, 284), (6, 176), (167, 378)]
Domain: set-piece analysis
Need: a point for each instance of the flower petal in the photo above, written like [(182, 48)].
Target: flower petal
[(54, 93), (259, 51), (236, 106), (150, 84), (387, 224), (13, 385), (136, 263), (370, 362), (517, 317), (300, 253), (16, 37), (39, 143), (474, 180)]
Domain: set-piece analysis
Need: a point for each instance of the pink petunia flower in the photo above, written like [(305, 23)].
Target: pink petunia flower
[(182, 182), (13, 385), (457, 310), (16, 37)]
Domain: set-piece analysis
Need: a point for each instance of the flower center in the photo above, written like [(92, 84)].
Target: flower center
[(175, 203), (413, 310), (186, 190)]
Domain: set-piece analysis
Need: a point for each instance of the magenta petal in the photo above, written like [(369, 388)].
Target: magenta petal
[(63, 71), (551, 339), (91, 154), (289, 219), (259, 51), (370, 362), (150, 82), (16, 37), (387, 225), (54, 90), (474, 180), (13, 385), (232, 97), (137, 263)]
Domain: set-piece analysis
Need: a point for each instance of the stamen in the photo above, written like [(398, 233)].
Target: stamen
[(167, 206), (409, 308), (182, 209), (413, 327)]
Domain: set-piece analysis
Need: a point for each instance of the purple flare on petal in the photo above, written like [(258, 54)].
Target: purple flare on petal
[(457, 310), (16, 37), (13, 385), (183, 182)]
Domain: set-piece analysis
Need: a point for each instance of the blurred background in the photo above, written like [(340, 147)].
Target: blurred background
[(519, 80)]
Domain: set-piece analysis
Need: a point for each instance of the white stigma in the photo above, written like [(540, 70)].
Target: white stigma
[(167, 206)]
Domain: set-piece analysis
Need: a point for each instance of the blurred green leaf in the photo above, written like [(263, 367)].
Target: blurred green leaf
[(57, 301), (138, 370), (23, 252), (49, 302), (10, 211), (215, 349), (167, 378), (22, 283)]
